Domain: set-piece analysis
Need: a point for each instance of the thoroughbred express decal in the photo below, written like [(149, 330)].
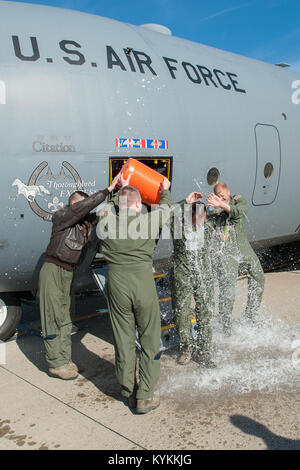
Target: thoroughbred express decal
[(48, 191)]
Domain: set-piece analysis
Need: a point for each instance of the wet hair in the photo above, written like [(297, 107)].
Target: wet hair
[(220, 185), (131, 194), (76, 196)]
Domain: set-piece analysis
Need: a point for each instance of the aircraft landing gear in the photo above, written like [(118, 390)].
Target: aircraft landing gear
[(10, 315)]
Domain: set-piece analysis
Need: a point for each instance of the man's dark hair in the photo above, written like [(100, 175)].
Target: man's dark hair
[(76, 196)]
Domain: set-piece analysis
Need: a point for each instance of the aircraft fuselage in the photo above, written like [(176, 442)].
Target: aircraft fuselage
[(79, 93)]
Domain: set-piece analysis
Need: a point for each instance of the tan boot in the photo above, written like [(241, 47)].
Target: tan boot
[(185, 356), (65, 372), (74, 366), (204, 360), (144, 406)]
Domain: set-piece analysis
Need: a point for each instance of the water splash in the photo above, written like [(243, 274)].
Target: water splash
[(252, 359)]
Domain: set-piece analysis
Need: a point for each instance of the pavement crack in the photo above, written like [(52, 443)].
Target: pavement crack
[(74, 409)]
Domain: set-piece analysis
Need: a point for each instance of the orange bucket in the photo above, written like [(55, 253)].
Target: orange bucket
[(145, 179)]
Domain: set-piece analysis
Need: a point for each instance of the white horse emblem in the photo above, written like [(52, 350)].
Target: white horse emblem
[(29, 192)]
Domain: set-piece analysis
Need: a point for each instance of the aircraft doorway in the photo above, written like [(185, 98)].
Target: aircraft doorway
[(162, 165), (268, 163)]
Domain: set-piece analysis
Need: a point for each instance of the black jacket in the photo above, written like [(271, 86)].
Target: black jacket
[(71, 230)]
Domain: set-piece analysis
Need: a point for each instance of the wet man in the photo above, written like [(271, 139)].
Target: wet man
[(191, 276), (128, 242), (232, 250), (71, 231)]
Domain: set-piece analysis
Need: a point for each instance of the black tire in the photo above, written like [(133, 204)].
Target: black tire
[(10, 315)]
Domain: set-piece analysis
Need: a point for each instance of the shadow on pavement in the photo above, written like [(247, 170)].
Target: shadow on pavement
[(272, 441), (96, 367)]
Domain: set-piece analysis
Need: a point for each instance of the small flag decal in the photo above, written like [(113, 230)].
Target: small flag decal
[(142, 143)]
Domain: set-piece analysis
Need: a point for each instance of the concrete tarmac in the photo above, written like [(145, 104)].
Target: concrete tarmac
[(251, 401)]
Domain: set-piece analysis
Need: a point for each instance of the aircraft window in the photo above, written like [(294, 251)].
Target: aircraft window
[(162, 165), (268, 170), (213, 176)]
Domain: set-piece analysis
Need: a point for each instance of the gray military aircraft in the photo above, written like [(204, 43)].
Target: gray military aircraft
[(80, 94)]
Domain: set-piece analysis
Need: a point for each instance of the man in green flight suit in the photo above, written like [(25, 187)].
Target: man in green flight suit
[(191, 276), (231, 250), (128, 242), (71, 233)]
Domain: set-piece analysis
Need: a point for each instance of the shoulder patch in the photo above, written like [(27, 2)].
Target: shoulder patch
[(237, 196)]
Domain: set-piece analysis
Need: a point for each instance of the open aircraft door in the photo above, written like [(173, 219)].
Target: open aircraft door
[(268, 164)]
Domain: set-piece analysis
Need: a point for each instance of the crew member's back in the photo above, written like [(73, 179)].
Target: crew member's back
[(128, 242)]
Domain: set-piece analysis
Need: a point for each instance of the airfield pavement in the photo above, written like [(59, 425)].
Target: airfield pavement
[(251, 401)]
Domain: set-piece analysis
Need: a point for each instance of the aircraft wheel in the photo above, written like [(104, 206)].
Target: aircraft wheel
[(10, 315)]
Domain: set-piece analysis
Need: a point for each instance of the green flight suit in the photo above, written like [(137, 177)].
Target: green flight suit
[(132, 296), (71, 232), (230, 249), (55, 302), (191, 277)]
